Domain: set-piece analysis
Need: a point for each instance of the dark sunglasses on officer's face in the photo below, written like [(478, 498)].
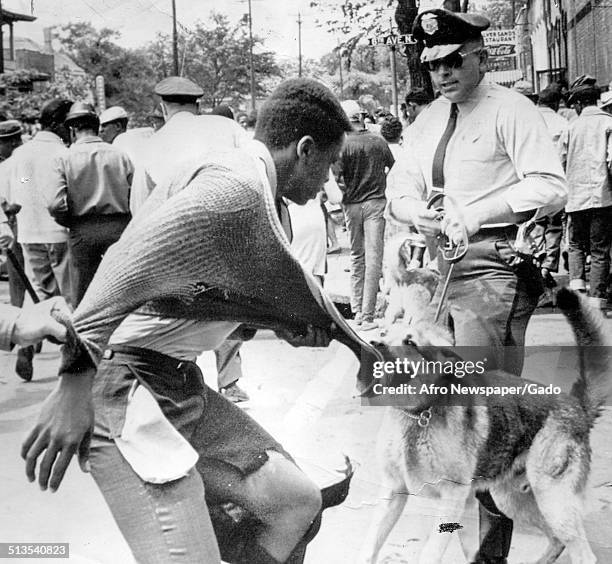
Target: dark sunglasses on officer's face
[(452, 61)]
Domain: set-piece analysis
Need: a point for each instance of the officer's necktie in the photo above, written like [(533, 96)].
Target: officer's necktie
[(437, 169)]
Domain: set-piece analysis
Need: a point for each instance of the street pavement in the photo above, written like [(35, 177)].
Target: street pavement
[(305, 398)]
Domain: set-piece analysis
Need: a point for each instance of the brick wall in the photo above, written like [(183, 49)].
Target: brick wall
[(590, 39)]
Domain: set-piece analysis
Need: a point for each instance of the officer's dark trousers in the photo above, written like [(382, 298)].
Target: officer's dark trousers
[(488, 308), (89, 239)]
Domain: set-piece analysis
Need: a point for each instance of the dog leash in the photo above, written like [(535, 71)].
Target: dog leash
[(450, 252)]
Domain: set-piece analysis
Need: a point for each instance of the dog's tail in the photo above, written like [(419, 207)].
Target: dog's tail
[(594, 385)]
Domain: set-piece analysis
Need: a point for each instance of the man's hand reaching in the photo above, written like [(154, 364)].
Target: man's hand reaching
[(63, 429)]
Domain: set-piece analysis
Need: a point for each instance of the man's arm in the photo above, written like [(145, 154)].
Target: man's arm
[(58, 208), (31, 324)]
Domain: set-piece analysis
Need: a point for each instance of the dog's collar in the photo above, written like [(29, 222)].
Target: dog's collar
[(421, 418)]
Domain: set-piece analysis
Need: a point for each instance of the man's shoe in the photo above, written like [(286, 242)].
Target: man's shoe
[(24, 367), (491, 561), (368, 325), (235, 393), (358, 319)]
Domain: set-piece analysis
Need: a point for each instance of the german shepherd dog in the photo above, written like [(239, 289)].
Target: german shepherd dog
[(531, 452)]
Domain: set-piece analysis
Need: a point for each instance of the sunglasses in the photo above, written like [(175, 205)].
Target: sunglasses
[(452, 61)]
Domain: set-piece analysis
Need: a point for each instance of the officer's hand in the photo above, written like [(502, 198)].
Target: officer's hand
[(35, 322), (64, 427), (6, 236), (314, 337), (426, 221), (457, 222)]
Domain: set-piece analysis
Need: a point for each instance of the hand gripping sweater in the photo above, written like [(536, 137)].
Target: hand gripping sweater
[(206, 245)]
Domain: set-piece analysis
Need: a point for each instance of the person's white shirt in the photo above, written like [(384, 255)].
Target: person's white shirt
[(183, 138)]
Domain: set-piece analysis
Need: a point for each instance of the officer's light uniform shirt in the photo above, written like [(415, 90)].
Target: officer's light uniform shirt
[(589, 154), (500, 147), (183, 138)]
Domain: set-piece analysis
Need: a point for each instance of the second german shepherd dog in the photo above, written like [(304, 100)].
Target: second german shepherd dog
[(532, 452)]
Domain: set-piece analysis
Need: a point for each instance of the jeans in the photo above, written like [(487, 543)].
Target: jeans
[(50, 266), (590, 231), (366, 227), (239, 462)]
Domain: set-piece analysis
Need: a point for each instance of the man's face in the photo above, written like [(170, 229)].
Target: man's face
[(311, 170), (456, 83), (109, 131)]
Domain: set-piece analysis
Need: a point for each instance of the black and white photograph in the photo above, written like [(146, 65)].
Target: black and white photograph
[(306, 281)]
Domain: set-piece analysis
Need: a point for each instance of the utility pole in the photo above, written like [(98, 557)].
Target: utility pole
[(251, 68), (1, 39), (299, 21), (174, 40), (393, 73)]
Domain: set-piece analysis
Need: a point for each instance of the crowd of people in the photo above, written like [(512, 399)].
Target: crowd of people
[(169, 242)]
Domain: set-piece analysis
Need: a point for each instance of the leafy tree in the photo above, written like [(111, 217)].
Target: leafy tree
[(128, 75), (215, 55), (25, 96), (501, 12)]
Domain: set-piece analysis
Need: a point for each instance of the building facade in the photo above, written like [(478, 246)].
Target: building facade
[(567, 38)]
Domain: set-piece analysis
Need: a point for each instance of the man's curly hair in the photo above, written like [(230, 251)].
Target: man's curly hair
[(391, 129), (299, 107)]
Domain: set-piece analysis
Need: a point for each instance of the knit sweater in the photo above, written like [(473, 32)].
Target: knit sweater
[(206, 245)]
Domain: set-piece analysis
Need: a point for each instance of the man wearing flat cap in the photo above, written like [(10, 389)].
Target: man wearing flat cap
[(183, 137), (589, 205), (487, 150)]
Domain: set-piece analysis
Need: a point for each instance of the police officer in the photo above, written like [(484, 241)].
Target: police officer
[(182, 138), (488, 150)]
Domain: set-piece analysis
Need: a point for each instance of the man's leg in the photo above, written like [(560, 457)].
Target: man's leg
[(374, 230), (60, 264), (35, 256), (161, 523), (600, 239), (490, 309), (229, 370), (241, 463), (578, 242), (278, 494), (354, 223)]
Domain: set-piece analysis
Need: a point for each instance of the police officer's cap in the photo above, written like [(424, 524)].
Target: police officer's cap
[(112, 114), (178, 87), (9, 128), (444, 32), (79, 110)]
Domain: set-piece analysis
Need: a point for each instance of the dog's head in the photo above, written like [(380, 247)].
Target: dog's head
[(422, 340)]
